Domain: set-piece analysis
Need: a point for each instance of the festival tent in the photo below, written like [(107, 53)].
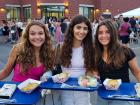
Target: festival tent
[(131, 13)]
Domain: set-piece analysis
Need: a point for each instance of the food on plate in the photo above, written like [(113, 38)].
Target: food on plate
[(63, 75), (112, 84), (29, 87), (87, 81), (60, 78)]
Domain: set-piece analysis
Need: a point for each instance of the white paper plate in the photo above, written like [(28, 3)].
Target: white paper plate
[(56, 78), (7, 90), (137, 89), (28, 85), (112, 88)]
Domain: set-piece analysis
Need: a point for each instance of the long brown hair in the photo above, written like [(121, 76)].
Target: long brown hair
[(26, 55), (116, 52), (87, 43)]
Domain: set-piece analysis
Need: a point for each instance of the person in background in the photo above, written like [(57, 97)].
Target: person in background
[(5, 30), (31, 56), (123, 31), (133, 24), (58, 32), (19, 28), (113, 60), (77, 58), (120, 20), (13, 32), (115, 23), (51, 29), (64, 26), (94, 27)]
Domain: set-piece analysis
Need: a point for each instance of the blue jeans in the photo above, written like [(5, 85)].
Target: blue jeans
[(75, 98)]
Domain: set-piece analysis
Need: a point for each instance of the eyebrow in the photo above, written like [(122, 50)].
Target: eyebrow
[(35, 31), (81, 25)]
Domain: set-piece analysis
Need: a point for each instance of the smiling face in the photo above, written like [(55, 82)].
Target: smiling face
[(104, 36), (80, 31), (36, 36)]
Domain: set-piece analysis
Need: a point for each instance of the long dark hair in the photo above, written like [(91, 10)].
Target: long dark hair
[(116, 52), (87, 43)]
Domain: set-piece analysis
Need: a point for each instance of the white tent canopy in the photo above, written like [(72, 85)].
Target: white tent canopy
[(134, 12), (131, 13)]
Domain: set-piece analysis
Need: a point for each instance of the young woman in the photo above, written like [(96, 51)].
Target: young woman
[(32, 56), (113, 59), (77, 58)]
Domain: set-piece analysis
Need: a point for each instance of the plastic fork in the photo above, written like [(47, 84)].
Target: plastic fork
[(7, 100), (64, 85)]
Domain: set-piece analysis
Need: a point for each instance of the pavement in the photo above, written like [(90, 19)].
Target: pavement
[(5, 49)]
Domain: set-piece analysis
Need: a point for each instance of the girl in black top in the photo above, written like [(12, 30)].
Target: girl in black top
[(112, 59)]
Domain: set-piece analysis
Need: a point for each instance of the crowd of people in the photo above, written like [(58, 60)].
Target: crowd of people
[(85, 50), (12, 30), (123, 25)]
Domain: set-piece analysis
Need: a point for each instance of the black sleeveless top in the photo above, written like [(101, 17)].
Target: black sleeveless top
[(113, 73)]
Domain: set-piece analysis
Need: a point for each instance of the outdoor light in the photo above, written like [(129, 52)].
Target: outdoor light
[(97, 10), (38, 6), (38, 10), (2, 9), (66, 4), (66, 10), (107, 10), (38, 3)]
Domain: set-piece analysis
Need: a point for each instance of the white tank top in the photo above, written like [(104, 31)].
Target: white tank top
[(76, 68)]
